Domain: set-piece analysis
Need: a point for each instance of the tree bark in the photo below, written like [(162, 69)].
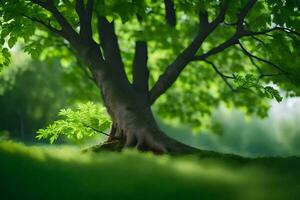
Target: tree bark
[(133, 121)]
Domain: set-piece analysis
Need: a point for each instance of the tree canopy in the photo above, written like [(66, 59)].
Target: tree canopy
[(241, 53)]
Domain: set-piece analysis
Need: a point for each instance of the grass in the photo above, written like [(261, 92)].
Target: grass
[(43, 172)]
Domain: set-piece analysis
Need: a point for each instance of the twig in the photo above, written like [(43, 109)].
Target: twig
[(246, 52), (94, 129), (48, 26), (224, 77)]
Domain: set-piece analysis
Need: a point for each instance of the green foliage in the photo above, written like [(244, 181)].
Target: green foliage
[(272, 93), (123, 9), (249, 81), (32, 92), (8, 75), (4, 57), (199, 90), (85, 121)]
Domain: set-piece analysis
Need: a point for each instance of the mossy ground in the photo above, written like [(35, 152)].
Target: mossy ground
[(43, 172)]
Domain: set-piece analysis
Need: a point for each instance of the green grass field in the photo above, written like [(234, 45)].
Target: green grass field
[(46, 172)]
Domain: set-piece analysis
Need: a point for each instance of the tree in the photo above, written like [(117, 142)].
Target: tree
[(255, 42)]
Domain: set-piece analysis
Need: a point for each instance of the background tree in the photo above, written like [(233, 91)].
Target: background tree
[(29, 91), (231, 51)]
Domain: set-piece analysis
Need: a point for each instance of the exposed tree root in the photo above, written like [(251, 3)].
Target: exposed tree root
[(114, 145), (165, 145)]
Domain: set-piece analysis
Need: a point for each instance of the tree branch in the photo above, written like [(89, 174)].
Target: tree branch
[(231, 41), (259, 40), (224, 77), (83, 50), (262, 74), (46, 25), (96, 130), (68, 32), (246, 52), (170, 75), (170, 12), (255, 65), (140, 69), (221, 17), (264, 32), (109, 43), (240, 32), (242, 15), (85, 17), (172, 72)]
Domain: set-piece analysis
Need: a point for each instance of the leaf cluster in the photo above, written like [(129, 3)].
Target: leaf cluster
[(84, 121), (249, 81)]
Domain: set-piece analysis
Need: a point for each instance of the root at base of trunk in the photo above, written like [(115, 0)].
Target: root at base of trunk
[(114, 145), (160, 144)]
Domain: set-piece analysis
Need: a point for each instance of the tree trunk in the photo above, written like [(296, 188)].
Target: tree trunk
[(133, 121), (129, 109)]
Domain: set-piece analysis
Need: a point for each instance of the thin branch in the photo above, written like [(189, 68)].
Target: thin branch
[(224, 77), (246, 52), (96, 130), (78, 62), (228, 43), (230, 24), (84, 50), (254, 64), (46, 25), (264, 32), (262, 74), (68, 32), (268, 75), (106, 134), (259, 40), (56, 31)]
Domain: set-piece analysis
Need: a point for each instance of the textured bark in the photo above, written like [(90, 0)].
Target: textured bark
[(133, 121), (134, 124)]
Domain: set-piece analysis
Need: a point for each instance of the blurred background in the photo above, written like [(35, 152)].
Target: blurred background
[(31, 96)]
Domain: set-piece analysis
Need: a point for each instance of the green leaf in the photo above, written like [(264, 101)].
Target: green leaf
[(12, 41), (273, 93)]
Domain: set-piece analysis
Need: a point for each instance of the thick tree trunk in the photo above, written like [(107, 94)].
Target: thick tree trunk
[(135, 126), (133, 121)]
